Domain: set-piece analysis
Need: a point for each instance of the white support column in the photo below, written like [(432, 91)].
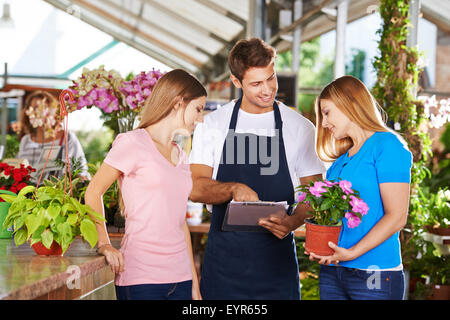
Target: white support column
[(413, 30), (296, 39), (414, 12), (256, 23), (339, 60)]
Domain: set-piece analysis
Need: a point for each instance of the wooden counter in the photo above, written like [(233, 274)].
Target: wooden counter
[(80, 274)]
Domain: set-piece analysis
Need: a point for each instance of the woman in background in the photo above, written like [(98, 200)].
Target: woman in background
[(40, 127)]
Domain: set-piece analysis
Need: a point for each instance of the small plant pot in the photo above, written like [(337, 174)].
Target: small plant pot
[(54, 250), (440, 292), (438, 231), (318, 236)]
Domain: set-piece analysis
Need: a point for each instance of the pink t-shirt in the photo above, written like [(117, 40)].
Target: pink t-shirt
[(155, 195)]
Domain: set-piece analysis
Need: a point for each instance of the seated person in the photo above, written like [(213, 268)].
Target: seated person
[(40, 126)]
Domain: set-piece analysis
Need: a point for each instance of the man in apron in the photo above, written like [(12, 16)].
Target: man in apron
[(252, 149)]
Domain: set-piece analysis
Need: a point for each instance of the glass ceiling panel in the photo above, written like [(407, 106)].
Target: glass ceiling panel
[(59, 41)]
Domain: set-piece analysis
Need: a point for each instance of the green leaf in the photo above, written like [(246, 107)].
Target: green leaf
[(16, 207), (326, 204), (20, 237), (72, 219), (47, 238), (94, 214), (8, 198), (26, 190), (32, 222), (37, 234), (68, 207), (64, 246), (54, 210), (44, 216), (29, 204), (65, 231), (335, 214), (88, 231), (19, 222), (79, 207), (34, 241)]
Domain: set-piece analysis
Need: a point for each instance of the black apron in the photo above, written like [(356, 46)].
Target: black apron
[(251, 265)]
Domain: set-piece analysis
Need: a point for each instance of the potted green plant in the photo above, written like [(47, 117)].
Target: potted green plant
[(431, 272), (49, 219), (435, 208), (331, 203)]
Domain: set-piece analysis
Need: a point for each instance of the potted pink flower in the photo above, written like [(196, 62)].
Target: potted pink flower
[(332, 204)]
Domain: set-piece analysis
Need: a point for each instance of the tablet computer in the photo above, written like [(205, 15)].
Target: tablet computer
[(244, 216)]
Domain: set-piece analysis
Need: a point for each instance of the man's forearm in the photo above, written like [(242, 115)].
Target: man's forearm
[(209, 191), (299, 215)]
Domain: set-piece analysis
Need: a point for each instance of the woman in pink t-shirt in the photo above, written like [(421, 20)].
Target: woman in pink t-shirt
[(155, 259)]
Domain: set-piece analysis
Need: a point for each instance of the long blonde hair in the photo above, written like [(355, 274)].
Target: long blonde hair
[(353, 98), (175, 86)]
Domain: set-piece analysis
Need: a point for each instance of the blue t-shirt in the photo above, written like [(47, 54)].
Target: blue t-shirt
[(382, 158)]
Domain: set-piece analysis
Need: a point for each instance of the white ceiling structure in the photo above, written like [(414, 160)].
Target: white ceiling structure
[(197, 34)]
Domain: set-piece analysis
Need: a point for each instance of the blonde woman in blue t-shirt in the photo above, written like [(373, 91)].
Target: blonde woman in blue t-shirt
[(351, 133)]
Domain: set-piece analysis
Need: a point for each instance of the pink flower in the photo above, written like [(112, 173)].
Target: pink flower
[(346, 186), (301, 197), (329, 183), (352, 220), (358, 205), (318, 189)]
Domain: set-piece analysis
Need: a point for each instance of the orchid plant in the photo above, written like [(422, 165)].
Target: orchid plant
[(441, 115), (333, 202), (115, 97)]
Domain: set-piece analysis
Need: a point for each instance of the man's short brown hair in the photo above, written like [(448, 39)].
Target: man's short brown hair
[(249, 53)]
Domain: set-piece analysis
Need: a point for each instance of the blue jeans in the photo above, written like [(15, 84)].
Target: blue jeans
[(341, 283), (163, 291)]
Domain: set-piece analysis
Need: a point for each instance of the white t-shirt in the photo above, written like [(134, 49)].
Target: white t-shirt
[(298, 135)]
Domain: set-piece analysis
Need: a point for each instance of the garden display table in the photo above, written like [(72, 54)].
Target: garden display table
[(80, 274)]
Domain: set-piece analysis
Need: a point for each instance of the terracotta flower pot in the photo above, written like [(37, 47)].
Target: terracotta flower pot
[(318, 236), (440, 292), (443, 232), (54, 250), (438, 231)]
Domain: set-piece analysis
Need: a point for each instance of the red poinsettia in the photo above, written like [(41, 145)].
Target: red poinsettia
[(14, 179)]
